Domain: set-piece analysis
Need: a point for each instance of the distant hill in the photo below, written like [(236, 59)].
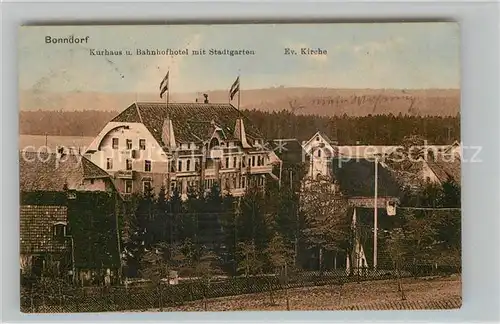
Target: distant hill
[(319, 101)]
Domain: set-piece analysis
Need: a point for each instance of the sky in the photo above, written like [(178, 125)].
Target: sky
[(369, 55)]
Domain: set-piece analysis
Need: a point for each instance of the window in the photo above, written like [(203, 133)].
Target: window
[(179, 169), (227, 162), (59, 230), (234, 182), (197, 165), (146, 186), (317, 139), (109, 163), (128, 186), (243, 180), (253, 160), (91, 181), (319, 153), (249, 161), (115, 143), (147, 166), (129, 164), (173, 185), (235, 162), (188, 165), (142, 144), (129, 144)]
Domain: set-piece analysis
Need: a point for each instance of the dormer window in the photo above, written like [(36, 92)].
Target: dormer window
[(59, 230)]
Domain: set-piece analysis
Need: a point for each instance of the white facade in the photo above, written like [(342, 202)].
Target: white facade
[(118, 143), (320, 151)]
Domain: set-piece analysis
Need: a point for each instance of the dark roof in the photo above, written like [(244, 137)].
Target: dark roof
[(445, 170), (192, 121), (288, 150), (357, 178), (40, 171)]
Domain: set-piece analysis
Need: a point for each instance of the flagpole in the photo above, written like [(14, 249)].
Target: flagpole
[(168, 88)]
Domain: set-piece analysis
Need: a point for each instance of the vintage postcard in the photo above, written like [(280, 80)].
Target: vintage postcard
[(240, 167)]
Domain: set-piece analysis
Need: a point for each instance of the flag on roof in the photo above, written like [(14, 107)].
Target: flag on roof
[(234, 88), (164, 84)]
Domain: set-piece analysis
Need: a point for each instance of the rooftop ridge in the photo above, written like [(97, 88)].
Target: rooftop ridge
[(138, 111)]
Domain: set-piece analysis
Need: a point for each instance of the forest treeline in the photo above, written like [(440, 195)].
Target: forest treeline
[(348, 130), (248, 234)]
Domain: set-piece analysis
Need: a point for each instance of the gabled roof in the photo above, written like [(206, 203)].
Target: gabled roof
[(357, 178), (193, 122), (323, 135), (445, 170), (40, 171)]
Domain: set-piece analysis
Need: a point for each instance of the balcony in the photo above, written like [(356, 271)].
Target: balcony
[(124, 174), (259, 169)]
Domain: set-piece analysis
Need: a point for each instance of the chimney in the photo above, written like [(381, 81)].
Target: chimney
[(167, 133)]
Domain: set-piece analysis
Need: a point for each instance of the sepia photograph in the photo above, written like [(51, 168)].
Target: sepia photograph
[(240, 167)]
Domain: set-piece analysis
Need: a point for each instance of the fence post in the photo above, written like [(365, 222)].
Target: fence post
[(78, 296), (286, 288), (60, 298), (161, 297), (32, 304)]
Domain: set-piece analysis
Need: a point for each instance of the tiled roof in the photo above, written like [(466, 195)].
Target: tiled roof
[(445, 170), (192, 121), (90, 170), (36, 228), (357, 178), (40, 171)]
